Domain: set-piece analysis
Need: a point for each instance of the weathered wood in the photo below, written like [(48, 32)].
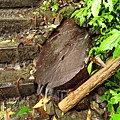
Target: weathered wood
[(94, 81)]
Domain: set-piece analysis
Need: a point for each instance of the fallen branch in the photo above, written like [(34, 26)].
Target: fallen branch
[(94, 81)]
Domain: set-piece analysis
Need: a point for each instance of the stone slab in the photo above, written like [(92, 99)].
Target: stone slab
[(56, 66), (11, 91), (16, 20), (12, 54), (18, 3)]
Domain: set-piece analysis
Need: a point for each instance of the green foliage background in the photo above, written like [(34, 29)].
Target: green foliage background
[(102, 17)]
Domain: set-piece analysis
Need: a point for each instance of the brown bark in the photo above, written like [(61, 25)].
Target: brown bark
[(94, 81)]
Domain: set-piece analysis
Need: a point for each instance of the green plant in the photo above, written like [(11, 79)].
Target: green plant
[(23, 110), (112, 96), (102, 17), (52, 4), (45, 5)]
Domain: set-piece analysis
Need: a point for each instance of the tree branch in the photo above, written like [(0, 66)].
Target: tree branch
[(94, 81)]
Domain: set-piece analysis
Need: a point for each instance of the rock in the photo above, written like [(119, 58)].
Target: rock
[(58, 19), (40, 39), (74, 115), (18, 3), (83, 104), (97, 109), (82, 115), (61, 63), (17, 20), (101, 90), (11, 54), (67, 11), (47, 16)]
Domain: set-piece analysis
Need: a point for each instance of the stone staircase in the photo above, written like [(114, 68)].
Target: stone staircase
[(18, 3), (16, 15), (17, 21)]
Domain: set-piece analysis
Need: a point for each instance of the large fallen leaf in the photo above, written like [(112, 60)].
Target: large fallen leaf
[(42, 102), (89, 115)]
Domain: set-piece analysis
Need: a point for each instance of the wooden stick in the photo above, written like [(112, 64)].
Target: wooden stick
[(94, 81)]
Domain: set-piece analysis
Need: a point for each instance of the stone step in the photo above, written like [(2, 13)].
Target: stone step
[(18, 3), (13, 54), (16, 20)]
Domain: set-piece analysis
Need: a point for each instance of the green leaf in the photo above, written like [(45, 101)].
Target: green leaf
[(118, 75), (113, 92), (23, 110), (110, 18), (55, 7), (115, 1), (88, 14), (110, 108), (89, 3), (113, 31), (110, 42), (106, 95), (96, 7), (118, 110), (110, 5), (93, 21), (111, 84), (82, 19), (114, 100), (89, 68), (76, 12), (21, 103), (94, 50), (116, 52), (101, 24), (78, 15), (115, 117)]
